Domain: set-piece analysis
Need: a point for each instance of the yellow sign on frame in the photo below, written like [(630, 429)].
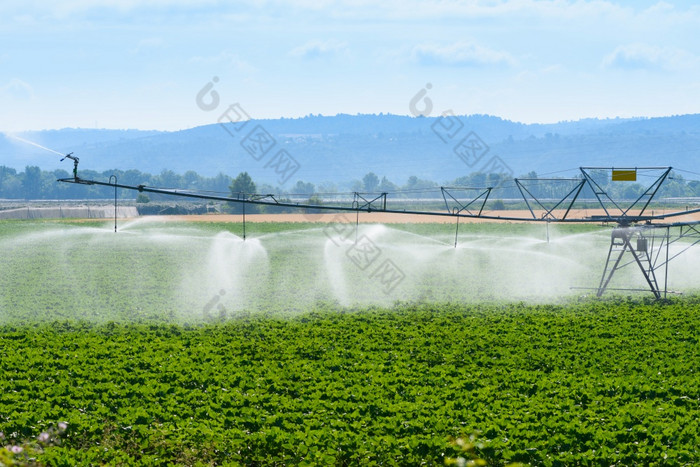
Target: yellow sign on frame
[(624, 175)]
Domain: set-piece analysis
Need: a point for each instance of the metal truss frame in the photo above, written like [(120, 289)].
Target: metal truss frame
[(652, 253)]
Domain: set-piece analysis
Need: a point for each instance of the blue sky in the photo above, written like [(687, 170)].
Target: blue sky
[(132, 64)]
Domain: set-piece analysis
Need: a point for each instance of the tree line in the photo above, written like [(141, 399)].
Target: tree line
[(36, 184)]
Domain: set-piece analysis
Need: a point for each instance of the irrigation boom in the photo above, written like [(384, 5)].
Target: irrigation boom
[(638, 238)]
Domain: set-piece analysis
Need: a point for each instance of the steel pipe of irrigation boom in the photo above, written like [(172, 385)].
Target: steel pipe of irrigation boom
[(142, 188)]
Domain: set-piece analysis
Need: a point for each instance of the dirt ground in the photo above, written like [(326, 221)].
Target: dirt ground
[(394, 218)]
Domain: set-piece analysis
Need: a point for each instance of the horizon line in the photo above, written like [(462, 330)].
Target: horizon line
[(381, 114)]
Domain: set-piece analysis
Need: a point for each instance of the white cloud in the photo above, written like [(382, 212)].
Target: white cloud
[(317, 49), (18, 90), (644, 56), (460, 54), (397, 44)]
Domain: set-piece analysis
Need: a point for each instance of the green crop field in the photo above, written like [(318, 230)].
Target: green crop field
[(182, 344), (156, 271)]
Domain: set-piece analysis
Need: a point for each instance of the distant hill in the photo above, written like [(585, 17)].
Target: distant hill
[(345, 147)]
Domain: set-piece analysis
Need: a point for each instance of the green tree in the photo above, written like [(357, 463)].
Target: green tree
[(494, 179), (370, 182), (31, 182), (386, 186), (135, 177), (6, 173), (169, 179), (477, 179), (220, 183), (694, 185), (415, 183), (302, 188), (8, 178), (498, 205), (191, 179), (241, 188)]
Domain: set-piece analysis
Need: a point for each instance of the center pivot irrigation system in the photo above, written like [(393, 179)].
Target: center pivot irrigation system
[(638, 238)]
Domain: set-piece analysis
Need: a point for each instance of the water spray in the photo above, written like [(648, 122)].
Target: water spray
[(33, 144), (624, 213)]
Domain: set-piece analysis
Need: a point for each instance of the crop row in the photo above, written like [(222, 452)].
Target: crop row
[(594, 383)]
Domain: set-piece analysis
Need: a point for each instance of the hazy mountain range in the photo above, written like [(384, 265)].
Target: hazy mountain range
[(345, 147)]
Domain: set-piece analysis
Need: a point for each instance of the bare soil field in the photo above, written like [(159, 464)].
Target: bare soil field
[(393, 218)]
